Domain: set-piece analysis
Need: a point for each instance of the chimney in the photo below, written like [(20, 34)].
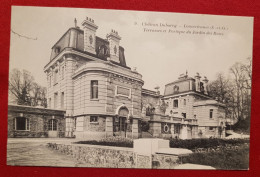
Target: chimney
[(197, 82), (114, 39), (205, 80), (89, 28)]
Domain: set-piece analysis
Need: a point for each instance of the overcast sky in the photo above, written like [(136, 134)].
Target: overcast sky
[(159, 57)]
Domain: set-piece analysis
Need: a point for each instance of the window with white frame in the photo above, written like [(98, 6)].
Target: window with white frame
[(56, 76), (62, 100), (52, 125), (211, 113), (21, 123), (94, 89), (55, 100), (62, 72), (50, 80), (49, 103), (175, 103)]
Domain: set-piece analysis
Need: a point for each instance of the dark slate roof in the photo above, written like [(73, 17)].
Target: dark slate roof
[(74, 38), (180, 80)]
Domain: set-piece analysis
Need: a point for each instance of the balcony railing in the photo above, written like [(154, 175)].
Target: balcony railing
[(171, 119)]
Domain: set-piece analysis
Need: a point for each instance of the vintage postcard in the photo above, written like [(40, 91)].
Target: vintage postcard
[(129, 89)]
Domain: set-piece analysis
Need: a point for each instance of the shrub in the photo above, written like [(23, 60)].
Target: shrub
[(110, 141), (191, 144), (242, 126), (205, 143)]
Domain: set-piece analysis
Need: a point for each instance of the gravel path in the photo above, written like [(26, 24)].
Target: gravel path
[(33, 152)]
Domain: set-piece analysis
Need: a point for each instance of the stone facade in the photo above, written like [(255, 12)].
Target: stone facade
[(88, 78), (25, 121), (189, 99)]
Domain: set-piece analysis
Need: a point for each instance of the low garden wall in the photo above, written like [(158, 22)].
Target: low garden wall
[(114, 157)]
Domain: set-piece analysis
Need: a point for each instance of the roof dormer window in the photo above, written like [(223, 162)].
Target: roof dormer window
[(176, 89), (57, 50)]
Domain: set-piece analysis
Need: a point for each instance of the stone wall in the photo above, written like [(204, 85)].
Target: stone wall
[(98, 156), (115, 157), (162, 161)]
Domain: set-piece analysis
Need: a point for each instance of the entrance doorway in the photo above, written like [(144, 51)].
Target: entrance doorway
[(121, 124)]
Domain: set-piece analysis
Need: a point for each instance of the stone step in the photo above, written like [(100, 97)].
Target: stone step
[(194, 167)]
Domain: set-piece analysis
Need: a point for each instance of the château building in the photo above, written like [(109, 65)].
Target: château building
[(97, 95)]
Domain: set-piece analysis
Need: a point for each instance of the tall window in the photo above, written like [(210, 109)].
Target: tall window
[(183, 115), (175, 103), (62, 100), (62, 72), (94, 89), (184, 102), (55, 100), (49, 103), (211, 113), (52, 125), (49, 81), (55, 76), (176, 128), (22, 123)]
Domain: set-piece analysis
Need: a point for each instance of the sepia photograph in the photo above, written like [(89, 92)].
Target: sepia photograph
[(104, 88)]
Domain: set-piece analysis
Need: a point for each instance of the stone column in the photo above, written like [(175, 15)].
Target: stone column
[(135, 128), (109, 126)]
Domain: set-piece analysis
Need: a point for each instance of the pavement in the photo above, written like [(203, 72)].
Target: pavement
[(190, 166), (34, 152)]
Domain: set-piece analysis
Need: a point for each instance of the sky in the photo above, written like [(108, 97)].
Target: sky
[(159, 56)]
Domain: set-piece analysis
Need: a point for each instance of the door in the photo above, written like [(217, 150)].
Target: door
[(52, 128), (119, 126)]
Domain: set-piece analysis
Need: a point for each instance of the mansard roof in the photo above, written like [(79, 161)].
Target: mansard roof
[(74, 38)]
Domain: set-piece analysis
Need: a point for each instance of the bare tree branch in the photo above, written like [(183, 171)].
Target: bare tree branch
[(26, 37)]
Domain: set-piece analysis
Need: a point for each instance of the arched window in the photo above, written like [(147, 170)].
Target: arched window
[(21, 123), (52, 125)]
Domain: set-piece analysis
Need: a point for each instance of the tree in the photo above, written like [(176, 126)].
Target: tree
[(222, 90), (242, 77), (24, 90), (235, 91)]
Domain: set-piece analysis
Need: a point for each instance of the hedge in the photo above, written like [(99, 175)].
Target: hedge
[(174, 143), (205, 143)]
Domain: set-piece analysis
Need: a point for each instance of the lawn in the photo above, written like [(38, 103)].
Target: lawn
[(227, 159)]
